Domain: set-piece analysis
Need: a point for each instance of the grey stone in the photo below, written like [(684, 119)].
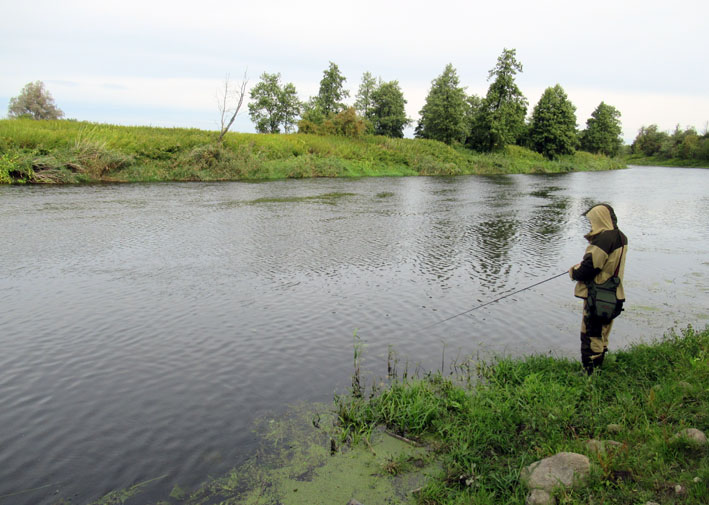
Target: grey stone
[(594, 445), (353, 502), (540, 497), (692, 435), (597, 446), (564, 469)]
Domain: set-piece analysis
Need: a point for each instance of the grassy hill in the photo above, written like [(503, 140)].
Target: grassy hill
[(80, 152)]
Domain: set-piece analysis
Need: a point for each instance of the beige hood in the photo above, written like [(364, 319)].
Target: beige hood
[(601, 220)]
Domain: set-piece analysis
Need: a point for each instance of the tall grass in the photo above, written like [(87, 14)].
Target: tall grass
[(70, 151), (521, 410)]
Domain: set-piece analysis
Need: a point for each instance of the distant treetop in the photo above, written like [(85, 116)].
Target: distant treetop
[(34, 101)]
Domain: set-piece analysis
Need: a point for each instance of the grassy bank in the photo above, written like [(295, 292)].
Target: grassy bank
[(76, 152), (518, 411), (638, 159)]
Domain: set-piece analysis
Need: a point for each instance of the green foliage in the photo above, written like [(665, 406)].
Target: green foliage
[(264, 108), (70, 152), (290, 107), (473, 110), (273, 105), (553, 125), (332, 93), (387, 112), (649, 140), (500, 121), (345, 123), (363, 99), (34, 102), (682, 147), (443, 114), (14, 168), (603, 130)]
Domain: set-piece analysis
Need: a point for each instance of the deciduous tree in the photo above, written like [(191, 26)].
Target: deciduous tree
[(274, 105), (649, 140), (501, 121), (603, 130), (34, 101), (443, 115), (290, 107), (363, 99), (387, 112), (332, 93), (265, 107), (553, 125)]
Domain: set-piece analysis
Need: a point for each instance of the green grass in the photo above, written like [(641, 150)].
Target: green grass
[(76, 152), (638, 159), (522, 410)]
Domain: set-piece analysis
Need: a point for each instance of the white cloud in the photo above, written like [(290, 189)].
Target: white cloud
[(644, 57)]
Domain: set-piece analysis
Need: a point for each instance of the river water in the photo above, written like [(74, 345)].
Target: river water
[(143, 328)]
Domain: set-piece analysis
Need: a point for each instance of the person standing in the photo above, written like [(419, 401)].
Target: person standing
[(604, 257)]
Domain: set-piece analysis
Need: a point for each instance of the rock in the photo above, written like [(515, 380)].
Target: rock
[(596, 446), (540, 497), (696, 480), (651, 503), (614, 428), (565, 469), (691, 435), (353, 502)]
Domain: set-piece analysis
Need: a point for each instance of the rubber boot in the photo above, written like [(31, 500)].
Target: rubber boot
[(586, 354)]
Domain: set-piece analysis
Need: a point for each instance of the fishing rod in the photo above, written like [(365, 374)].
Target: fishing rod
[(495, 300)]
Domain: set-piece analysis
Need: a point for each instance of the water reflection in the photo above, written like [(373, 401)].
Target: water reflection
[(144, 327)]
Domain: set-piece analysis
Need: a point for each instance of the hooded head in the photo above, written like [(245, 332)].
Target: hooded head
[(602, 218)]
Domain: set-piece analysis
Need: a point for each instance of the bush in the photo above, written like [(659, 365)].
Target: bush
[(346, 123)]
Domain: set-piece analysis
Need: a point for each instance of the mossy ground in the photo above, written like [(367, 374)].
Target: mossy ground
[(77, 152)]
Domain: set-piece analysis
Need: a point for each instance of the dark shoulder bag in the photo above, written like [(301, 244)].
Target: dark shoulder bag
[(603, 303)]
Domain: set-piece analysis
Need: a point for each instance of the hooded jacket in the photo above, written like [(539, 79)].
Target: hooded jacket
[(606, 252)]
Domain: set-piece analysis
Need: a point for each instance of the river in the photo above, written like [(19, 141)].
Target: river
[(144, 327)]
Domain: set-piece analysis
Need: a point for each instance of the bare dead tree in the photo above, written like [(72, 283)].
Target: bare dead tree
[(229, 102)]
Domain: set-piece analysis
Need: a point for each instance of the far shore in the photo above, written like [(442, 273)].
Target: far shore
[(70, 152)]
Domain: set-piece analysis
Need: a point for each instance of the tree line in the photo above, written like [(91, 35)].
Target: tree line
[(449, 115), (680, 144)]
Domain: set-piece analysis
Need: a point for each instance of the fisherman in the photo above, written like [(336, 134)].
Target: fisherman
[(604, 257)]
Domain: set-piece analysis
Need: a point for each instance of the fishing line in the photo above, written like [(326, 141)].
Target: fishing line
[(493, 301)]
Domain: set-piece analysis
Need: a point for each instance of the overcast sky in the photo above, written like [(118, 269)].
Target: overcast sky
[(161, 63)]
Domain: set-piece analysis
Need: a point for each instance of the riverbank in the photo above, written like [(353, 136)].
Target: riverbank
[(515, 412), (65, 152), (655, 161), (465, 437)]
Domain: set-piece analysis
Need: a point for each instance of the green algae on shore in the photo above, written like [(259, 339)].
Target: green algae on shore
[(299, 463)]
